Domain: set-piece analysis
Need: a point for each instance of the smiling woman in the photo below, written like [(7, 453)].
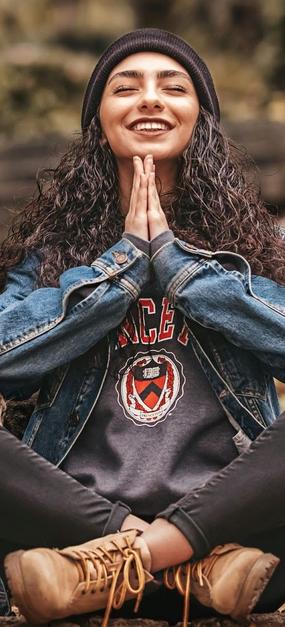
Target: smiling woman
[(149, 106), (146, 304)]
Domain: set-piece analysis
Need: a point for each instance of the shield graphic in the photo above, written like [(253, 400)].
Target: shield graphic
[(150, 380), (149, 386)]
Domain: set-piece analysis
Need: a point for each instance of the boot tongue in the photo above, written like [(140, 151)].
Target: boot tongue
[(107, 552), (108, 541), (224, 548)]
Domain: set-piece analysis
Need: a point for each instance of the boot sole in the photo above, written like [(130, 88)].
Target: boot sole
[(254, 584), (20, 594)]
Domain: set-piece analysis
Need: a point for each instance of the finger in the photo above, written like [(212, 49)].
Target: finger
[(157, 221), (138, 169), (139, 164), (156, 195), (142, 194), (153, 197), (148, 163)]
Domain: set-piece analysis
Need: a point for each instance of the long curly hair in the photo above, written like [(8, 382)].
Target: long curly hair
[(215, 205)]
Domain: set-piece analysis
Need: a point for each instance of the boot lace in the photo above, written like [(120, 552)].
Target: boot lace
[(180, 577), (129, 569)]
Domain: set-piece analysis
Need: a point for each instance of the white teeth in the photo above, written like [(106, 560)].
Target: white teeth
[(150, 126)]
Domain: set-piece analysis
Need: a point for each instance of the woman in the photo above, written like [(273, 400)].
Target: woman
[(184, 339)]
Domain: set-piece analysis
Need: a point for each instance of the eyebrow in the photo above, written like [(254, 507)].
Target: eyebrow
[(161, 74)]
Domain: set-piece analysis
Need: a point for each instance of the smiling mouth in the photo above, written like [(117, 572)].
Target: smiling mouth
[(150, 131), (150, 128)]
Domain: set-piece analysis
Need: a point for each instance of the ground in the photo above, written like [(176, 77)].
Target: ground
[(258, 620)]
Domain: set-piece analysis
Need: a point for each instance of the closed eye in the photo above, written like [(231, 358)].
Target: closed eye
[(175, 88), (123, 88)]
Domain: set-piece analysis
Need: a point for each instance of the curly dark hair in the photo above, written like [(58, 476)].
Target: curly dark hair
[(215, 205)]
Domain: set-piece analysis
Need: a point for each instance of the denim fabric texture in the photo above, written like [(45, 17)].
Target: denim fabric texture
[(50, 336), (4, 601)]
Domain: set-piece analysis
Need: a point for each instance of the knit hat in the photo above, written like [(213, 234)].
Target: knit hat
[(145, 40)]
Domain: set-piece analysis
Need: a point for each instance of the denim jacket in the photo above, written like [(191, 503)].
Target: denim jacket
[(50, 336)]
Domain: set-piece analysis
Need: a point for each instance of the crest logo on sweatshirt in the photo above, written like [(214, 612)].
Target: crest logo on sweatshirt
[(149, 386)]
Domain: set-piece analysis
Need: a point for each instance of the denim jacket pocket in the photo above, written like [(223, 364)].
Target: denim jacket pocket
[(51, 386), (243, 372)]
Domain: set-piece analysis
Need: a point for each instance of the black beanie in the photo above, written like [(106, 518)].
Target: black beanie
[(145, 40)]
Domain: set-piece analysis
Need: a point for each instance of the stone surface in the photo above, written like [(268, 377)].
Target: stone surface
[(256, 620)]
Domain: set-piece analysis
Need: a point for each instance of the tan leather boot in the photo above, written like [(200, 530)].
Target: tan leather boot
[(230, 579), (48, 584)]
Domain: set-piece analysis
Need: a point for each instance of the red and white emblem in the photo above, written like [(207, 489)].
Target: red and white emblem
[(149, 386)]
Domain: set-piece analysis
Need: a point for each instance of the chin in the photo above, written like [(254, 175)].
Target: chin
[(158, 154)]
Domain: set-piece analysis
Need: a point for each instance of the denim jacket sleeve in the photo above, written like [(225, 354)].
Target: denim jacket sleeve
[(217, 290), (43, 328)]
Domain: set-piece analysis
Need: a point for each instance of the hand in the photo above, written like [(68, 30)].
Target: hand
[(145, 218), (157, 222), (136, 219)]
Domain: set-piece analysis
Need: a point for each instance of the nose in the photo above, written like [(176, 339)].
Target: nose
[(151, 99)]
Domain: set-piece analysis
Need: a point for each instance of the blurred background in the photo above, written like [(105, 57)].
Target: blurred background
[(49, 48)]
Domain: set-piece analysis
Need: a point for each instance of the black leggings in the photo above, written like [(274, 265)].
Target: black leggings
[(42, 506)]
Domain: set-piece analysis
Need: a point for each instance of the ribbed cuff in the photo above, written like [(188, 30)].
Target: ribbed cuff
[(138, 242), (117, 516), (178, 517), (158, 242)]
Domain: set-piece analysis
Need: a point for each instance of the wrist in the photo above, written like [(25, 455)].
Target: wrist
[(134, 522), (167, 544), (138, 242), (160, 240)]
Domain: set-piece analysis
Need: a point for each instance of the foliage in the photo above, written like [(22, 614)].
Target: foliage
[(49, 48)]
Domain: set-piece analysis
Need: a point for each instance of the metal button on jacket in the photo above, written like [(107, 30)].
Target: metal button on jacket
[(120, 257)]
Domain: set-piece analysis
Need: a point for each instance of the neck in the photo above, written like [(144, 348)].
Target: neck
[(165, 174)]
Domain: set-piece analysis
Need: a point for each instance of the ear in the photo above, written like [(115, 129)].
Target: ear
[(103, 140)]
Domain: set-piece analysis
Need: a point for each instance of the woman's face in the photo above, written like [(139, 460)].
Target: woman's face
[(149, 105)]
